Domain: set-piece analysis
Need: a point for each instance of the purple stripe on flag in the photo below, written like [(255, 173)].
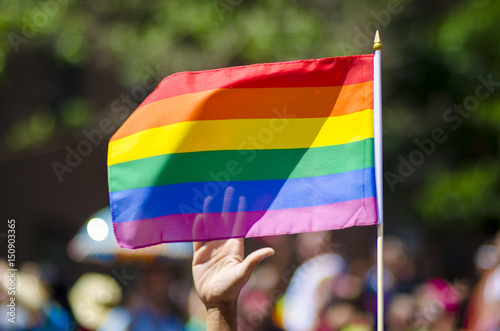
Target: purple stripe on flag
[(210, 226)]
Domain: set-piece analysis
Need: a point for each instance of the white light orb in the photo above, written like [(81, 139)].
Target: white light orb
[(97, 229)]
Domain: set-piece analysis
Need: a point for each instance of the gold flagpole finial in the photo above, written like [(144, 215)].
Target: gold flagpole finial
[(377, 45)]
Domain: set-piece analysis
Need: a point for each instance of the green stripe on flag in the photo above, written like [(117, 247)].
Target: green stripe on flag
[(240, 165)]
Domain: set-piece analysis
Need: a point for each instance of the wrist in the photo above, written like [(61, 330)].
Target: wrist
[(222, 316)]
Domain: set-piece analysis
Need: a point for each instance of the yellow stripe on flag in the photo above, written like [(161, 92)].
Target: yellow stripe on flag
[(243, 134)]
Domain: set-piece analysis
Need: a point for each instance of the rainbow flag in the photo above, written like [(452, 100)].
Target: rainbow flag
[(258, 150)]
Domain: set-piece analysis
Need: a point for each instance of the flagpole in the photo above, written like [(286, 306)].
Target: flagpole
[(377, 128)]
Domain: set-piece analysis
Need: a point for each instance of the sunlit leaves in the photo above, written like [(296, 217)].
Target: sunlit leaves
[(465, 195), (32, 131)]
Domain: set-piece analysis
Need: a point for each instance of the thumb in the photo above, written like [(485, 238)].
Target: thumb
[(251, 261)]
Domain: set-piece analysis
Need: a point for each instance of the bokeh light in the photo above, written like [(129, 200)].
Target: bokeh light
[(97, 229)]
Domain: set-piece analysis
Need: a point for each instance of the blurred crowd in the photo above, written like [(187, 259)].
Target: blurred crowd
[(309, 284)]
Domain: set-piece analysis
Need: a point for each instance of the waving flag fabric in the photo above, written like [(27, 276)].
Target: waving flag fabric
[(258, 150)]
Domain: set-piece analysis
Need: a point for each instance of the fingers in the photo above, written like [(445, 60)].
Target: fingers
[(226, 205), (239, 221), (200, 225), (251, 261), (198, 230)]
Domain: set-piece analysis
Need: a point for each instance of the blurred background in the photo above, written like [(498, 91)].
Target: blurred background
[(71, 72)]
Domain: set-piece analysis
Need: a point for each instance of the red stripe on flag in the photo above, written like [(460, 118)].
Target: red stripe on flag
[(337, 71)]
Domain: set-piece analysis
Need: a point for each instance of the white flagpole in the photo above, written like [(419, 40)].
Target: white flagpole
[(377, 134)]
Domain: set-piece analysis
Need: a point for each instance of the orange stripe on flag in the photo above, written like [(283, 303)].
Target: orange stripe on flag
[(251, 103)]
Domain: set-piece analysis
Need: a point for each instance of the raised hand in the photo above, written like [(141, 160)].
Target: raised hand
[(219, 272)]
